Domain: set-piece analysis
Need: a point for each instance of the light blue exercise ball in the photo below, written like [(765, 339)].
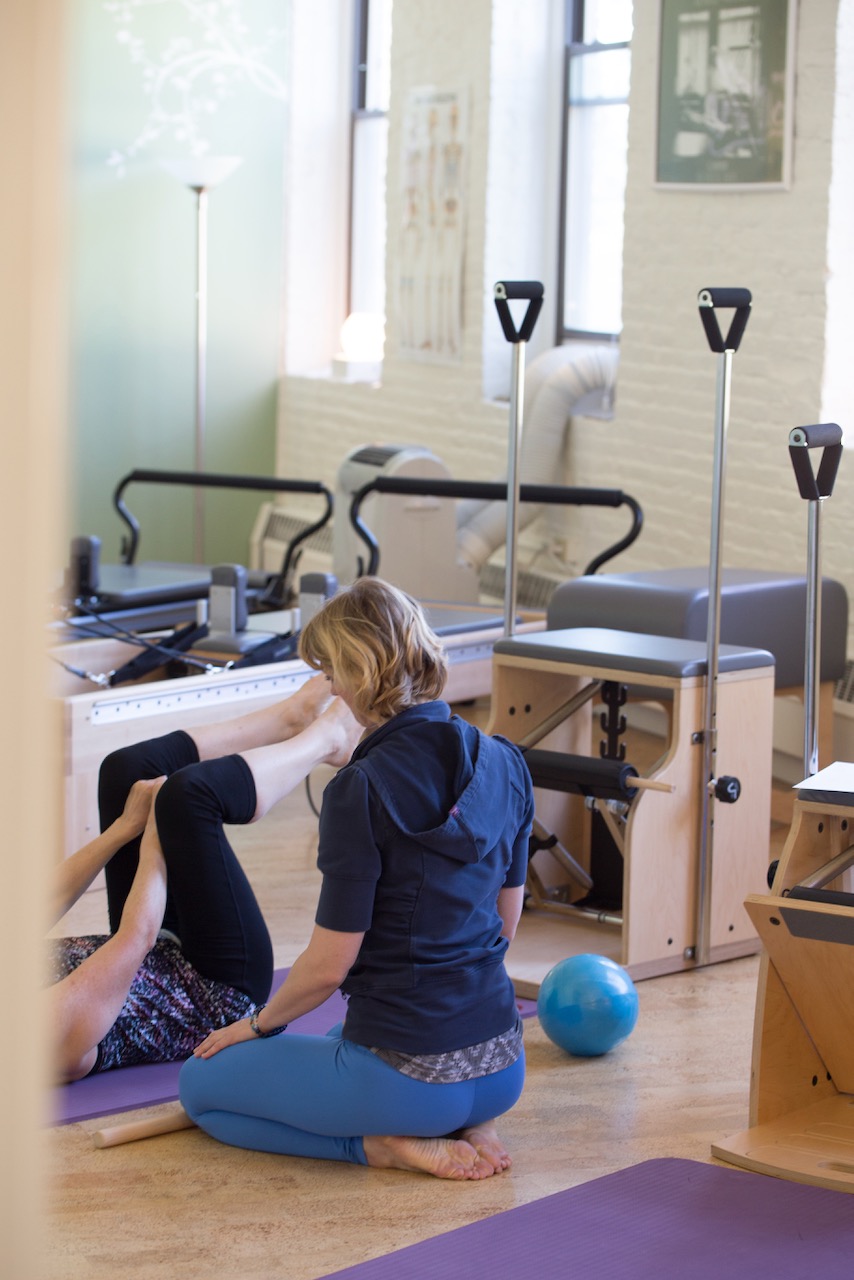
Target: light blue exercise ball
[(587, 1005)]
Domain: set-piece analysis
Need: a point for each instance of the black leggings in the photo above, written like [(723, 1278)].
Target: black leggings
[(210, 904)]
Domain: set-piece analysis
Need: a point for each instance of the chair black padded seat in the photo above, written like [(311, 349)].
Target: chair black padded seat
[(641, 653), (759, 609)]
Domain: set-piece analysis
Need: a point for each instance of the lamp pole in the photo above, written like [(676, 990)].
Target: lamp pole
[(200, 175)]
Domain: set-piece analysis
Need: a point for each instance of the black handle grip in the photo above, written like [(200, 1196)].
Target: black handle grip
[(822, 435), (818, 436), (708, 300), (507, 290), (530, 289), (724, 298)]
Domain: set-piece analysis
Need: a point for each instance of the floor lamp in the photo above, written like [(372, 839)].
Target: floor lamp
[(201, 175)]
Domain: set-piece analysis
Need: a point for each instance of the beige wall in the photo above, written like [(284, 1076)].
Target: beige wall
[(32, 378), (659, 445), (775, 244)]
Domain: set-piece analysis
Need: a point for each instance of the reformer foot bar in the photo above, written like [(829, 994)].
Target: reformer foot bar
[(494, 491)]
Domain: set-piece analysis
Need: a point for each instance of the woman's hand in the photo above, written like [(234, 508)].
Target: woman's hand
[(234, 1033), (138, 806)]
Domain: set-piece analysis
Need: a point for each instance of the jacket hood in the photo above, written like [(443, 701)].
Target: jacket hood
[(462, 805)]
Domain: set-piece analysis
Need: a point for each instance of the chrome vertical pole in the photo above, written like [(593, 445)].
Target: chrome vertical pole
[(201, 367), (504, 292), (815, 488), (714, 788), (517, 406)]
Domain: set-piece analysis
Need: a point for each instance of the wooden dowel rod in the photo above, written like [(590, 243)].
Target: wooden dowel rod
[(166, 1122), (650, 784)]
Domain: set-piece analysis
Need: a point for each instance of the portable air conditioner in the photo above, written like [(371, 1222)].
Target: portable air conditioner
[(417, 536)]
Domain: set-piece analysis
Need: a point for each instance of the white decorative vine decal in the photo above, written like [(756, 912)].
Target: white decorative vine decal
[(197, 69)]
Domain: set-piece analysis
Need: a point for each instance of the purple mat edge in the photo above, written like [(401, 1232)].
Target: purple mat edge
[(129, 1088), (676, 1217)]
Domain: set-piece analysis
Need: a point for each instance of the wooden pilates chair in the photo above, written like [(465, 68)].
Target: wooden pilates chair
[(544, 689), (801, 1122), (759, 608)]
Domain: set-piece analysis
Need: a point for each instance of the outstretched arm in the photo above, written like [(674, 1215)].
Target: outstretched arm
[(315, 974), (75, 874), (86, 1003)]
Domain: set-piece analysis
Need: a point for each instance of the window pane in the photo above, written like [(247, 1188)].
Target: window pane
[(368, 227), (600, 75), (378, 71), (607, 21), (594, 218)]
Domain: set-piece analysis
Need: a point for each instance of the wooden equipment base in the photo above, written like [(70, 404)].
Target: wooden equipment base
[(802, 1079), (658, 837)]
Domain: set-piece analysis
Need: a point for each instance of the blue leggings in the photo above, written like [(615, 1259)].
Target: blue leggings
[(318, 1095)]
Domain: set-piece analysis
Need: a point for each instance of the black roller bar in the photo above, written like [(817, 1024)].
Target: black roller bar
[(581, 775)]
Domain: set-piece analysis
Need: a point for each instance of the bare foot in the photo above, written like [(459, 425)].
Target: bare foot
[(343, 732), (486, 1142), (303, 707), (453, 1158)]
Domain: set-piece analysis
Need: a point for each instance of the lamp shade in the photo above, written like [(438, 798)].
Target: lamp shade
[(202, 172)]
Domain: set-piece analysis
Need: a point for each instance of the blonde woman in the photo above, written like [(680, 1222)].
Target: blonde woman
[(423, 849)]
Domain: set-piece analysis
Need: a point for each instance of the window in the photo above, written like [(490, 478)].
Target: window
[(595, 129), (369, 148)]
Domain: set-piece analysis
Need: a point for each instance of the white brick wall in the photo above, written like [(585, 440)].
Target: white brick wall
[(659, 445)]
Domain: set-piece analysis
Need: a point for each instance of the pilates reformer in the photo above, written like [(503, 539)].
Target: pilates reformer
[(156, 593), (244, 618)]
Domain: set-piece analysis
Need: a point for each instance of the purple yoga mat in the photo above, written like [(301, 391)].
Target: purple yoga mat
[(127, 1088), (658, 1220)]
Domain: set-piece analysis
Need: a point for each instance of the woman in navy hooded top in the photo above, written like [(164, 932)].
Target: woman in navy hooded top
[(423, 850)]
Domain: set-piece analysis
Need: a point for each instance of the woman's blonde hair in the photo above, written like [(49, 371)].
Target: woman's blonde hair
[(373, 639)]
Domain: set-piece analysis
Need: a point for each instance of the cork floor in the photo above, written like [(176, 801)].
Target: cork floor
[(182, 1204)]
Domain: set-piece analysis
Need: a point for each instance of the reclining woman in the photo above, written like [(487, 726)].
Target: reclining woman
[(423, 850), (188, 949)]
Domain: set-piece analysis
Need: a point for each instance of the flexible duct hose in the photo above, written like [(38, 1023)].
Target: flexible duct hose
[(554, 384)]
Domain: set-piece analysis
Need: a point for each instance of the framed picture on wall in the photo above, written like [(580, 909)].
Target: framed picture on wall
[(725, 94)]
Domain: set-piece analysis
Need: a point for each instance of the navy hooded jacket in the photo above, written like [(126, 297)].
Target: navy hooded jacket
[(418, 833)]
